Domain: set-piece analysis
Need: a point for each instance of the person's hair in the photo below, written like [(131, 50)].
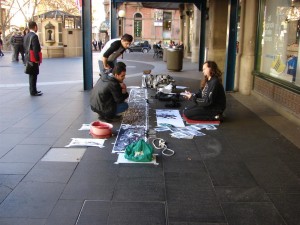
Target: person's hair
[(214, 70), (127, 37), (119, 68), (25, 31), (32, 24)]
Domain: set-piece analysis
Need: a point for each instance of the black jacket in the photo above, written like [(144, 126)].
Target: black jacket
[(105, 96), (213, 96), (31, 42)]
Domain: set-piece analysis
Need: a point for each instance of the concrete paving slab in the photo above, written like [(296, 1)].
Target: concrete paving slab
[(33, 200), (25, 153), (64, 155), (49, 171), (252, 213), (125, 213), (65, 212)]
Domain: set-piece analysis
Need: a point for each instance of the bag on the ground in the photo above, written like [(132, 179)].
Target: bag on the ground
[(162, 80), (139, 151), (157, 81), (29, 68)]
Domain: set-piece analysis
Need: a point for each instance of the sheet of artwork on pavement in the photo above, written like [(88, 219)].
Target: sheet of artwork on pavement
[(169, 117)]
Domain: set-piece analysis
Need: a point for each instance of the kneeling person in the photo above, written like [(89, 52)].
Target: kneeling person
[(109, 94)]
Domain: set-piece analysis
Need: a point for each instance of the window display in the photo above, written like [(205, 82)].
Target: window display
[(279, 42)]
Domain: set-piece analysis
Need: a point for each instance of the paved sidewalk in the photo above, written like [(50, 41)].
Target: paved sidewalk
[(246, 172)]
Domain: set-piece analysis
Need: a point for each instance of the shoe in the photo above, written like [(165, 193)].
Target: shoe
[(37, 94)]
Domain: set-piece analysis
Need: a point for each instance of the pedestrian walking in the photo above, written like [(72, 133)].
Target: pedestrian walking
[(18, 47), (33, 58), (1, 46), (95, 44), (12, 44), (99, 45)]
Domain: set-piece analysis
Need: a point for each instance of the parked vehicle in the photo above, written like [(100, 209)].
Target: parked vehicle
[(139, 46)]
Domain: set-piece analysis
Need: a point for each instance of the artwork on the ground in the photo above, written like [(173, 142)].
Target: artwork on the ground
[(128, 134), (121, 159), (135, 120), (86, 142), (136, 115), (167, 117)]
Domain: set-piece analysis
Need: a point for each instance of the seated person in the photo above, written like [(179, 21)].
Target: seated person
[(112, 50), (210, 102), (109, 94)]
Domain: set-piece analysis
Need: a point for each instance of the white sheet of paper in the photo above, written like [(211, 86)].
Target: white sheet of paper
[(121, 159), (85, 126), (86, 142), (169, 117)]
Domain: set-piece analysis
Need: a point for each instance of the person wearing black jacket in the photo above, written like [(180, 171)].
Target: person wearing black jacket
[(31, 42), (210, 102), (109, 94)]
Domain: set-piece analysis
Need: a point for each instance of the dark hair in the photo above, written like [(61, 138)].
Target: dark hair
[(119, 67), (127, 37), (214, 70), (32, 25)]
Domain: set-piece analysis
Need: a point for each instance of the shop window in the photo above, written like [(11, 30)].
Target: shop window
[(138, 26), (279, 43), (167, 25)]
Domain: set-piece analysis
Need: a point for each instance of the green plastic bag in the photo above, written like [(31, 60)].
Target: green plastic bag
[(139, 151)]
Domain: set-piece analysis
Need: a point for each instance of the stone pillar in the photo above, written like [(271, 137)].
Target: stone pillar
[(247, 46), (217, 31), (196, 38)]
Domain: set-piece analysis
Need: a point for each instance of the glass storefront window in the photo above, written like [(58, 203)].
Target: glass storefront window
[(279, 43), (137, 25)]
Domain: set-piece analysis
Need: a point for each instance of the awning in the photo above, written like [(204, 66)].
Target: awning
[(161, 5), (158, 4)]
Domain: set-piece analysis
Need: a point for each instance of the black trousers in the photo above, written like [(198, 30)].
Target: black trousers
[(201, 113), (32, 83)]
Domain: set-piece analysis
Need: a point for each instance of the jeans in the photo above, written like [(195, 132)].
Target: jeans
[(122, 107)]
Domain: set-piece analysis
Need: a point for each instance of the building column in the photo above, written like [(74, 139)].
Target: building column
[(196, 35), (246, 55), (216, 33)]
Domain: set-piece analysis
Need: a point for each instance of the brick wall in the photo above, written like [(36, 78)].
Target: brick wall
[(289, 100)]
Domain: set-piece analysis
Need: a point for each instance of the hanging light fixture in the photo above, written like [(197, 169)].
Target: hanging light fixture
[(292, 14)]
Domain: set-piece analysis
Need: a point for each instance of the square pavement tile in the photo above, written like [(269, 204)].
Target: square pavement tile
[(59, 172), (262, 213), (139, 189), (64, 154), (65, 212), (18, 221), (125, 213), (288, 206), (31, 200)]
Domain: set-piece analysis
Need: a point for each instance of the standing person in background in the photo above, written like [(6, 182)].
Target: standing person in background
[(12, 44), (95, 44), (25, 31), (1, 46), (99, 45), (31, 42), (19, 49)]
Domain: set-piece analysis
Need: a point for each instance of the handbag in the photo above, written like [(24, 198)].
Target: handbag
[(139, 151), (29, 68), (32, 58)]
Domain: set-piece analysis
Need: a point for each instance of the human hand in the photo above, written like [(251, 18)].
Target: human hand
[(124, 88), (187, 94)]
